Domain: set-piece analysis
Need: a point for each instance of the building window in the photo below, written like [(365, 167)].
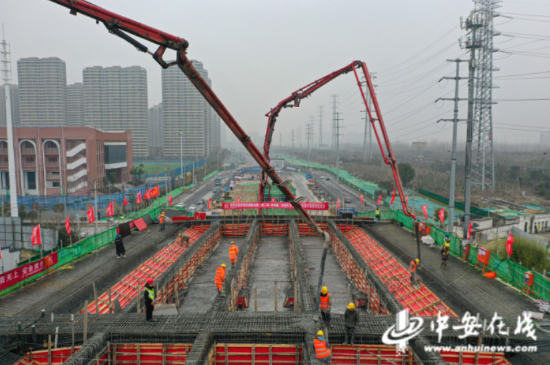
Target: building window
[(114, 154), (56, 184), (525, 227)]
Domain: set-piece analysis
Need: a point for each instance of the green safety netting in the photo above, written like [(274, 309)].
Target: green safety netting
[(506, 270)]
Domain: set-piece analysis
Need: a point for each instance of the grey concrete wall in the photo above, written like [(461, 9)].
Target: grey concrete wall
[(9, 259)]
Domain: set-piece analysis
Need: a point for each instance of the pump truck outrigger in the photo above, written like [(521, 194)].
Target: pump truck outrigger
[(123, 27)]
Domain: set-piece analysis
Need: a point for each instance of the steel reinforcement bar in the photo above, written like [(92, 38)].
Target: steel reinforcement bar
[(304, 299), (237, 279), (381, 300), (185, 266)]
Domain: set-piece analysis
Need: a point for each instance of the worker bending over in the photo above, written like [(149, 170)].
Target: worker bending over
[(149, 300), (220, 277), (233, 252), (322, 352), (351, 317), (412, 268), (445, 250), (325, 303)]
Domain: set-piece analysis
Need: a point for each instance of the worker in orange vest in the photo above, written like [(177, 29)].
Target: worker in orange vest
[(325, 303), (233, 252), (412, 268), (322, 352), (220, 277), (162, 221)]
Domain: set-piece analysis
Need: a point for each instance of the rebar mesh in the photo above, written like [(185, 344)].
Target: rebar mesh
[(305, 297)]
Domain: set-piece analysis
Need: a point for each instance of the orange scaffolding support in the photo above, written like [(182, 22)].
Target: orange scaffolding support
[(420, 301)]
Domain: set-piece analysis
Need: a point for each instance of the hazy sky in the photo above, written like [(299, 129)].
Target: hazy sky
[(258, 52)]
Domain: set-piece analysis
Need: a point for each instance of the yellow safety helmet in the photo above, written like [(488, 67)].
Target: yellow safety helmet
[(232, 242), (351, 306), (162, 213), (223, 265), (320, 333), (324, 290), (179, 234), (417, 261)]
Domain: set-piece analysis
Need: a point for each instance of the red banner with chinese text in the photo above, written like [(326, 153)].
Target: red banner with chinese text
[(270, 205), (24, 272)]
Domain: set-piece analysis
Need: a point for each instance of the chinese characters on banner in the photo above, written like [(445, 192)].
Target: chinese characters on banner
[(442, 215), (270, 205), (24, 272), (138, 198), (425, 210), (36, 237), (68, 226), (111, 209), (91, 215), (170, 199), (154, 192)]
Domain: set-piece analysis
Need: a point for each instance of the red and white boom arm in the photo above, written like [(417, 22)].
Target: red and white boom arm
[(294, 101)]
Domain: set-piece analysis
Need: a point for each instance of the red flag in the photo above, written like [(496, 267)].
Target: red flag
[(138, 198), (91, 215), (125, 202), (210, 203), (154, 192), (273, 200), (36, 237), (393, 196), (147, 194), (425, 210), (238, 200), (361, 197), (407, 199), (307, 200), (68, 226), (509, 244), (442, 215), (470, 230), (170, 199), (338, 203), (111, 209), (379, 200)]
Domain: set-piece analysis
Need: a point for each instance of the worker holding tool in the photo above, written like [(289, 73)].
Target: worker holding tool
[(220, 277), (351, 317), (119, 245), (233, 252), (412, 268), (377, 212), (445, 250), (325, 303), (149, 299), (322, 352)]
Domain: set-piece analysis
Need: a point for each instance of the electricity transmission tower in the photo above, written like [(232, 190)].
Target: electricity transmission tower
[(320, 126), (309, 136), (483, 168), (293, 143), (335, 103), (336, 137)]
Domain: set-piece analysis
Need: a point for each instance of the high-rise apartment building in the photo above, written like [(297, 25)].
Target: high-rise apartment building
[(42, 91), (185, 111), (155, 131), (14, 97), (115, 99), (75, 105)]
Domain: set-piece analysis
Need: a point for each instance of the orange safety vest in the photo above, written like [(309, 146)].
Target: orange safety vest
[(161, 219), (220, 275), (233, 251), (321, 350), (412, 266), (324, 301)]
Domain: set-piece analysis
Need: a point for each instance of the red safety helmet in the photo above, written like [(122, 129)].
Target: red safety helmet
[(150, 281)]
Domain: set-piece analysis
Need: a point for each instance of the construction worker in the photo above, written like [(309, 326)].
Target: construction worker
[(178, 240), (445, 250), (377, 212), (220, 277), (351, 317), (233, 252), (119, 245), (322, 352), (162, 221), (325, 303), (412, 268), (149, 299)]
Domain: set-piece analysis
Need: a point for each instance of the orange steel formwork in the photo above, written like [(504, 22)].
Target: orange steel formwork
[(270, 229), (235, 230), (146, 353), (419, 300), (305, 230), (50, 356), (371, 354), (355, 274), (235, 354), (474, 358), (128, 288)]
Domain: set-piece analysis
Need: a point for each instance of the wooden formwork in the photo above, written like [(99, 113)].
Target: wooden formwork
[(418, 299), (371, 354), (226, 354), (270, 229), (241, 280), (235, 230), (186, 271), (129, 288), (355, 274)]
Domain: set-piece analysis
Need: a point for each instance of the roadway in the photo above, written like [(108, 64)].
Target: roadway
[(342, 191)]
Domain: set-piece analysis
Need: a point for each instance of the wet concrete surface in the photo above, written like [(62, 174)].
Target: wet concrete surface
[(202, 289), (334, 278), (270, 265)]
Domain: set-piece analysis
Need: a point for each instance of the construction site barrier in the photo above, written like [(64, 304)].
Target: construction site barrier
[(418, 300), (228, 354)]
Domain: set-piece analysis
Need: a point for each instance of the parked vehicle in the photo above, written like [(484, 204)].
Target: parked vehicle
[(347, 200), (192, 208)]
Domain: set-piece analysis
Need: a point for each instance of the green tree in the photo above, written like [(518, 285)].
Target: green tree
[(407, 172)]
